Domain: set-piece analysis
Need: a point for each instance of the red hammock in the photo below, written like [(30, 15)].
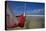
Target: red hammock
[(21, 22)]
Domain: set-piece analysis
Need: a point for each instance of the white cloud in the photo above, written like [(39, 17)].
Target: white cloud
[(37, 11)]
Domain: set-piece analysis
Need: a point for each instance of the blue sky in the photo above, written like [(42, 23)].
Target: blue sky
[(28, 7)]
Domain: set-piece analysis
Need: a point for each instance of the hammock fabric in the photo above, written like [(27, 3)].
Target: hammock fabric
[(21, 21)]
